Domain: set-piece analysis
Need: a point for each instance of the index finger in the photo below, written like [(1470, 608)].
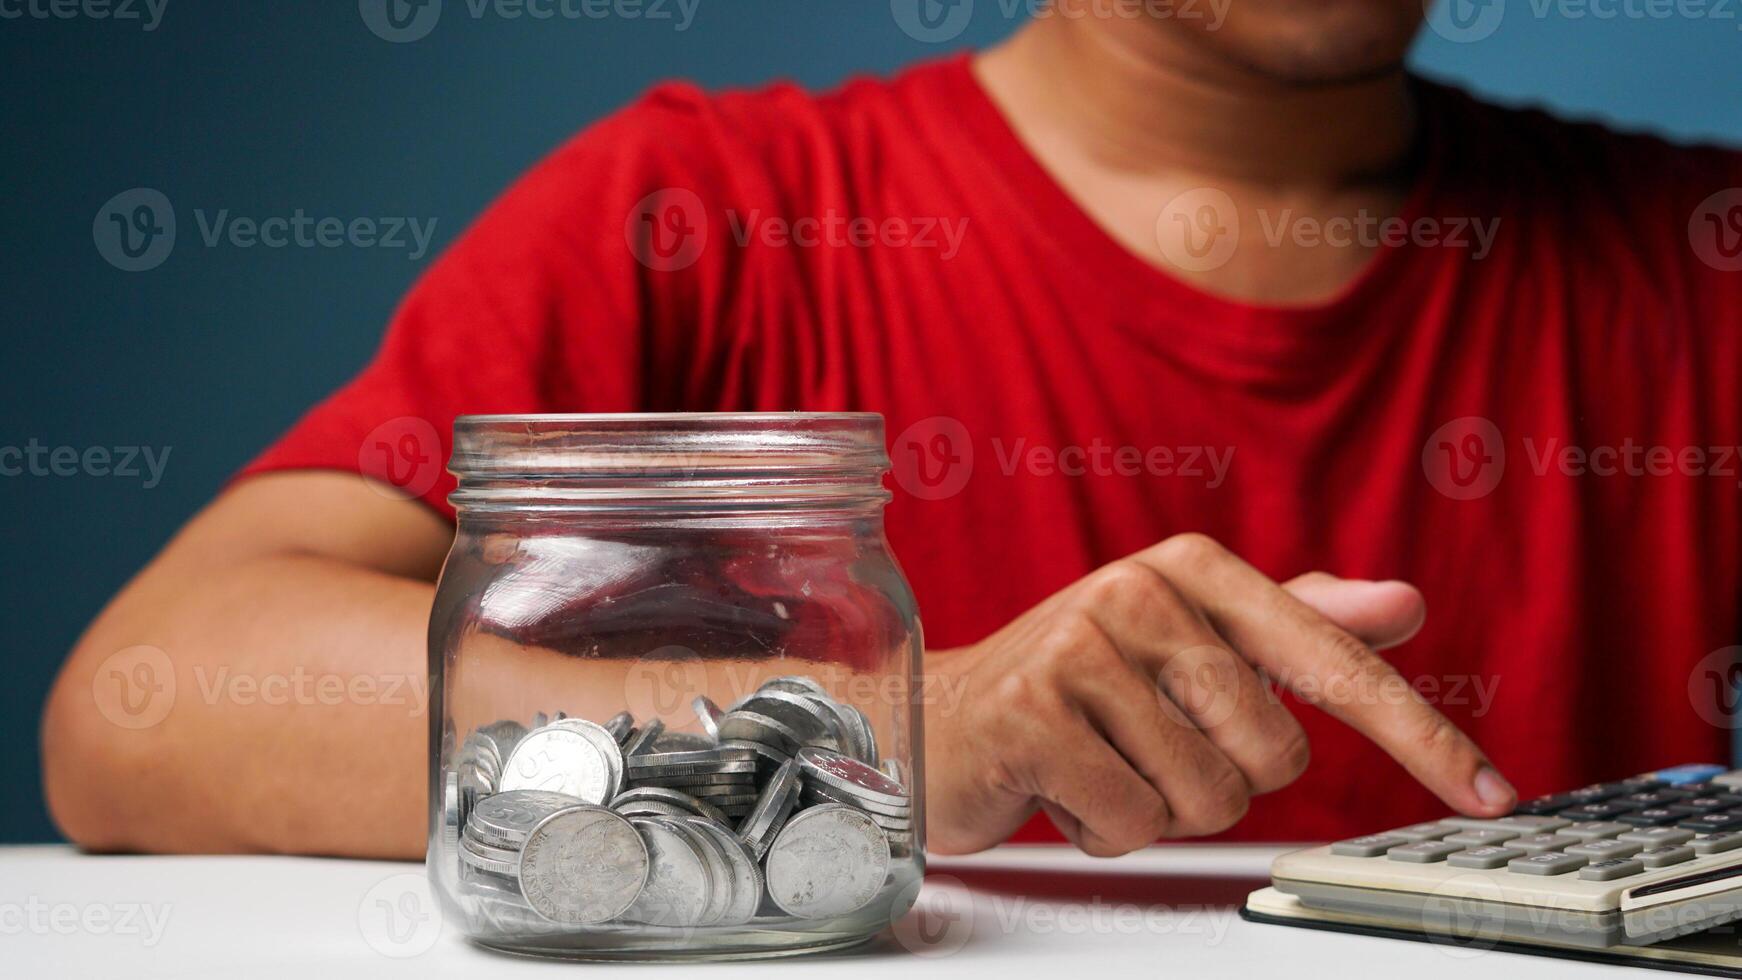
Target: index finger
[(1331, 669)]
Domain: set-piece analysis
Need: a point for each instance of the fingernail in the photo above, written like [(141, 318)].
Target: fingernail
[(1493, 789)]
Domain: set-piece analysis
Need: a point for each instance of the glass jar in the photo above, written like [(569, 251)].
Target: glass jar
[(675, 688)]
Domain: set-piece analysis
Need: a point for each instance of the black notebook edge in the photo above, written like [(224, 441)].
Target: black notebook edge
[(1556, 952)]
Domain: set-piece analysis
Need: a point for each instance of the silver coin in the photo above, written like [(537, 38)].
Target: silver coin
[(848, 775), (828, 861), (768, 758), (721, 879), (583, 865), (651, 808), (805, 715), (864, 735), (604, 741), (496, 860), (642, 740), (559, 759), (620, 725), (817, 793), (795, 684), (691, 805), (771, 810), (745, 874), (504, 820), (742, 725), (893, 769), (683, 742), (709, 714), (892, 822), (677, 891)]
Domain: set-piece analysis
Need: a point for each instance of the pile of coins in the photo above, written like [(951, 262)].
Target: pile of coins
[(778, 811)]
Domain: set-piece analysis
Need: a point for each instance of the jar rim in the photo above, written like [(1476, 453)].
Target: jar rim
[(669, 458)]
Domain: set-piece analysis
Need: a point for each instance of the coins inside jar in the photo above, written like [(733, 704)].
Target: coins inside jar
[(777, 808)]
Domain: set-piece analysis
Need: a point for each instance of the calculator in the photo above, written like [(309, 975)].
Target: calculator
[(1625, 863)]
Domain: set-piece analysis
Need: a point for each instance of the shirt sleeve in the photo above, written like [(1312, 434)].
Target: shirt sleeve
[(574, 292)]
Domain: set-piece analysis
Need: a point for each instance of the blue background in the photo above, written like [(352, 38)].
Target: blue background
[(267, 106)]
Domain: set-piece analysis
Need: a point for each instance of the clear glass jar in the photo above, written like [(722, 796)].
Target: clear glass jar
[(676, 688)]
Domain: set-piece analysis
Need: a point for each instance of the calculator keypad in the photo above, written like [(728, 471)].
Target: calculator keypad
[(1603, 832)]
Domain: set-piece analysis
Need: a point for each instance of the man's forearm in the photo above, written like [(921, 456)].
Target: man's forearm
[(297, 720)]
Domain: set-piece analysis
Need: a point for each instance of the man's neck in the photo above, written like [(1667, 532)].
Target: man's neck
[(1138, 97), (1132, 120)]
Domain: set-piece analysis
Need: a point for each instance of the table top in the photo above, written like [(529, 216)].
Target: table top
[(1019, 911)]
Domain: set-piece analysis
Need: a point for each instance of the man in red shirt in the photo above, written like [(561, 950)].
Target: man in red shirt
[(1161, 313)]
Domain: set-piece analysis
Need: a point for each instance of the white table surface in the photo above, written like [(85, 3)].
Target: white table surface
[(1012, 913)]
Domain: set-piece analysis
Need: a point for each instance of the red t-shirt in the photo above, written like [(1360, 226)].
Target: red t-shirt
[(1055, 402)]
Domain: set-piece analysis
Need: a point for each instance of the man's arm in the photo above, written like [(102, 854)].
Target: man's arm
[(283, 588)]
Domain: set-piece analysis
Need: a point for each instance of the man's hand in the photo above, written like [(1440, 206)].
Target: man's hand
[(1130, 707)]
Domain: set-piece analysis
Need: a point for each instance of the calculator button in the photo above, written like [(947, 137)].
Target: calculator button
[(1539, 843), (1371, 845), (1706, 804), (1655, 816), (1517, 823), (1658, 836), (1423, 852), (1547, 863), (1544, 805), (1482, 838), (1711, 822), (1733, 778), (1418, 832), (1606, 850), (1611, 869), (1484, 858), (1662, 797), (1717, 843), (1594, 829), (1596, 811), (1698, 773), (1598, 792), (1663, 857)]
